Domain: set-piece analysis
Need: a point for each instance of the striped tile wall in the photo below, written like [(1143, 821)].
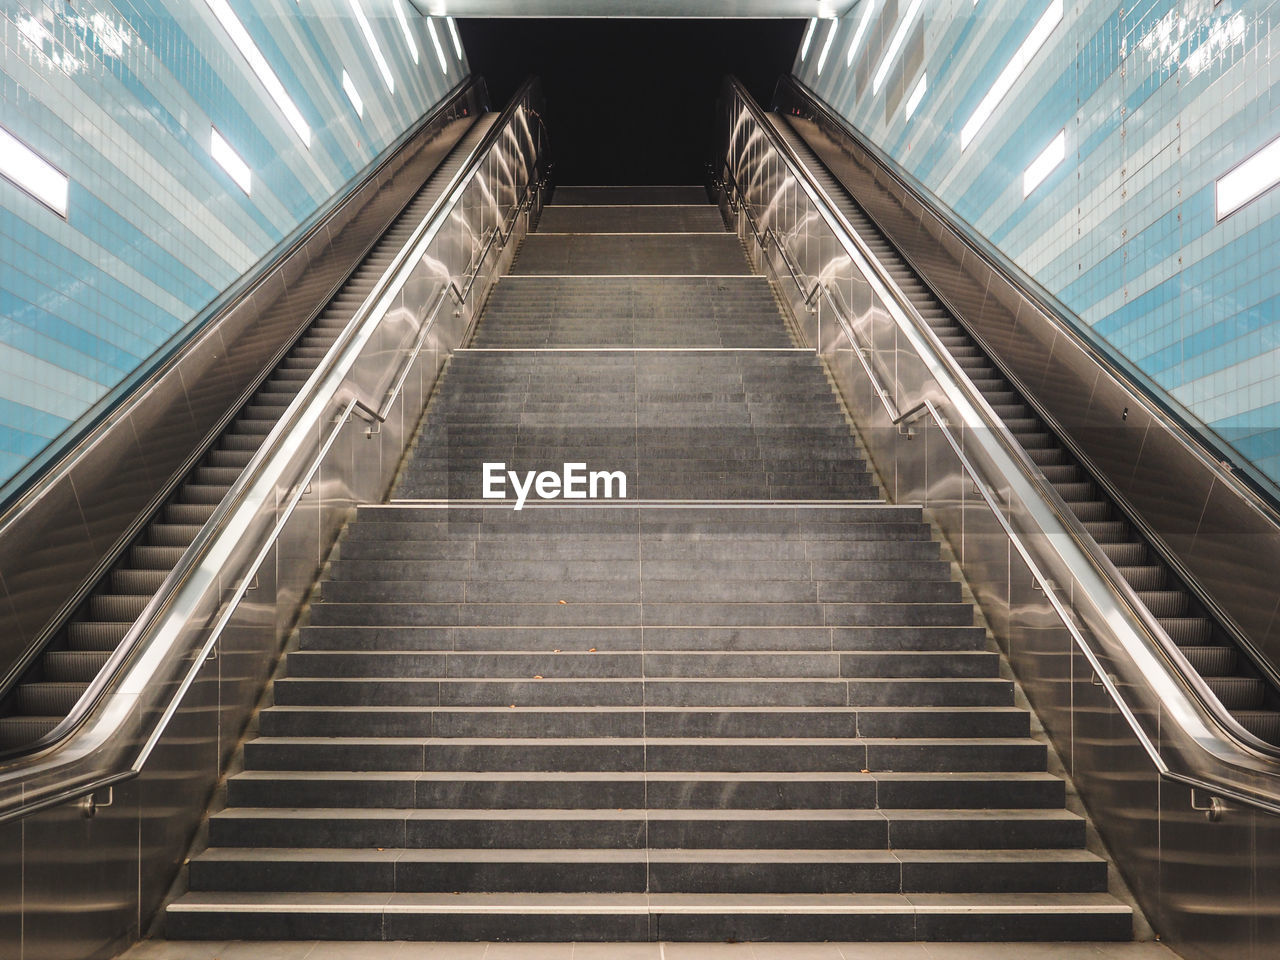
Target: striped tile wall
[(1158, 100), (122, 97)]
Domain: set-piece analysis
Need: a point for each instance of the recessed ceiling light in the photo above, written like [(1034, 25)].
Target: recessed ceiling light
[(867, 9), (826, 47), (404, 28), (258, 63), (374, 46), (1004, 82), (230, 161), (435, 39), (808, 38), (34, 174), (917, 94), (1045, 164), (1249, 180), (453, 33), (899, 36), (349, 88)]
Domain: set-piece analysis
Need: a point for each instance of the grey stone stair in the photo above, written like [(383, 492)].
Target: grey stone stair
[(1228, 670), (50, 687), (766, 713)]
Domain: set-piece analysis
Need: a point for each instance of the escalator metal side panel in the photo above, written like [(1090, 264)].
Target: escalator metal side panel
[(1222, 537), (83, 876), (62, 533), (1194, 861)]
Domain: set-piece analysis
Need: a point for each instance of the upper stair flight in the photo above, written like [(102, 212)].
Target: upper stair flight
[(754, 702)]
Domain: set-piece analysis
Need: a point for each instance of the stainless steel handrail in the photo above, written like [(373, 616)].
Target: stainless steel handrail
[(1192, 434), (1194, 437), (330, 374), (939, 360), (378, 415), (1046, 490), (169, 355)]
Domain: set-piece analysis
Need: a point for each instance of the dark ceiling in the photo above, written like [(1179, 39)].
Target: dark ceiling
[(631, 101)]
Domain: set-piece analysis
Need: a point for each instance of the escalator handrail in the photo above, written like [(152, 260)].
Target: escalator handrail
[(1228, 465), (1064, 514), (326, 379), (1235, 737), (18, 494), (1192, 436)]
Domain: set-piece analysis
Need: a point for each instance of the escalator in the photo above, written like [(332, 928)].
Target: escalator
[(1226, 667), (50, 688)]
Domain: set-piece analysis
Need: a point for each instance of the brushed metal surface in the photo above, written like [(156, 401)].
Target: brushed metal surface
[(86, 887), (1108, 703), (56, 535), (1202, 516)]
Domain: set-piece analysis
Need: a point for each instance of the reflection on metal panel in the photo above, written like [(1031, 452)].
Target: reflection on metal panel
[(115, 804), (1122, 718)]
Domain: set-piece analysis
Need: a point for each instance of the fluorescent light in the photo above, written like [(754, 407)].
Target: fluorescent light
[(435, 38), (372, 41), (808, 38), (349, 88), (33, 173), (404, 27), (258, 63), (917, 94), (1248, 180), (1021, 57), (1045, 164), (868, 8), (826, 47), (453, 33), (229, 160), (895, 45)]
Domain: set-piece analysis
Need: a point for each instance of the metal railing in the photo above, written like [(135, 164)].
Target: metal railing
[(116, 725), (1179, 723), (1230, 576)]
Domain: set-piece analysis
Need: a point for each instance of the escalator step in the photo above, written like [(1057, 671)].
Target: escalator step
[(1126, 554), (138, 582), (1073, 491), (154, 558), (222, 477), (73, 666), (1165, 603), (197, 513), (1037, 440), (117, 607), (1146, 577), (241, 441), (172, 534), (1237, 693), (203, 493), (1212, 661), (1047, 456), (231, 459), (1263, 724), (1107, 531), (1091, 510), (19, 731), (47, 699), (1188, 631), (96, 634)]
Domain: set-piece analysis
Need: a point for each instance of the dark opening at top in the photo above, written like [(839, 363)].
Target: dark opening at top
[(631, 101)]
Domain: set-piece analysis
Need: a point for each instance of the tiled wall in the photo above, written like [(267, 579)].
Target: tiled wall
[(1158, 100), (122, 97)]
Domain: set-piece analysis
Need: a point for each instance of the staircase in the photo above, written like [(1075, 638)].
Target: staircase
[(750, 701), (1227, 669), (50, 688)]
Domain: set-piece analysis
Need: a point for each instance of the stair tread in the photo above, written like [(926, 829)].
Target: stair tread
[(503, 903)]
